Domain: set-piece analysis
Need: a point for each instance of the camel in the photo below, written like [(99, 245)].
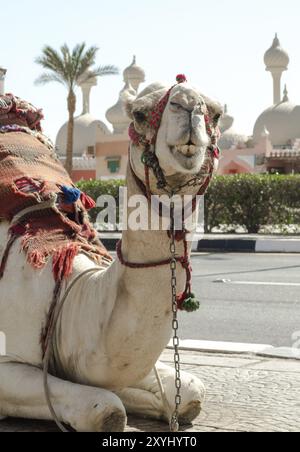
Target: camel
[(116, 321)]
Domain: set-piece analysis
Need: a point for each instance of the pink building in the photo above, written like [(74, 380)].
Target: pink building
[(101, 151), (275, 144)]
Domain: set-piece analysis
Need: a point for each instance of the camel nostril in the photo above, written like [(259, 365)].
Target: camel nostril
[(190, 143), (187, 150)]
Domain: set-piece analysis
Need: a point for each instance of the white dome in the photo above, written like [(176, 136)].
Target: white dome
[(226, 121), (276, 57), (134, 75), (116, 115), (231, 138), (87, 132), (282, 121)]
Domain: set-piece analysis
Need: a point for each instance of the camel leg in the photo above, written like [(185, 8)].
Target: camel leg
[(145, 399), (85, 408)]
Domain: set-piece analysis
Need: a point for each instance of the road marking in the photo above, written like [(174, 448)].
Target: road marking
[(256, 283)]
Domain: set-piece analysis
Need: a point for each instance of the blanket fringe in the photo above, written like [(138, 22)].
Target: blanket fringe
[(37, 259), (63, 261)]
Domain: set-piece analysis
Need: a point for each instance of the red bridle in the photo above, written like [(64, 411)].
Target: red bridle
[(146, 144)]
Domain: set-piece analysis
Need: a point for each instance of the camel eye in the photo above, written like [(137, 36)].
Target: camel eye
[(202, 108), (139, 116), (175, 105)]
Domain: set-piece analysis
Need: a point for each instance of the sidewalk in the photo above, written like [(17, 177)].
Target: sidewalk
[(255, 243), (239, 243), (245, 392)]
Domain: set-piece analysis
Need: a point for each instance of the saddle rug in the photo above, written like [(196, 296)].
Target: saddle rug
[(37, 196)]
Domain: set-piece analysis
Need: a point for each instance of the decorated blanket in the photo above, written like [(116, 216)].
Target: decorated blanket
[(37, 196)]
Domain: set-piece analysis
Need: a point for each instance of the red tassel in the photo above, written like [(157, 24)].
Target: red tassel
[(180, 300), (63, 261), (87, 201), (181, 78), (37, 259)]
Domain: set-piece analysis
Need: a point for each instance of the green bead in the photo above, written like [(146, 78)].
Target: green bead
[(191, 304)]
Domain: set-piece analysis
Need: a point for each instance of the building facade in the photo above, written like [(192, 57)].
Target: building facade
[(275, 144), (101, 152)]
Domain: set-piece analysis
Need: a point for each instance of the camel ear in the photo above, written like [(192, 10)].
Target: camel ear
[(128, 97), (215, 110), (138, 108)]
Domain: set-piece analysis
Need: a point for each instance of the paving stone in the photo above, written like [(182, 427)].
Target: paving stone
[(240, 398), (213, 359)]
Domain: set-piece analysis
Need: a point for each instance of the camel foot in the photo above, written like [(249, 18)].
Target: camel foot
[(190, 412), (84, 408), (144, 399), (95, 419)]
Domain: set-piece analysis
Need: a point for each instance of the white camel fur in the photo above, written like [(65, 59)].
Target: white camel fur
[(115, 323)]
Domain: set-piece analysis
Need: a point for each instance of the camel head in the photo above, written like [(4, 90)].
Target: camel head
[(179, 124)]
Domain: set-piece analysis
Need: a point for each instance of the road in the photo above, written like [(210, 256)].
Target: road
[(260, 302)]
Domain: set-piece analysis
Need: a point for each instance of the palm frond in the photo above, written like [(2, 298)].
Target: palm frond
[(47, 77), (71, 67), (77, 57), (52, 61), (100, 71), (106, 70), (87, 61), (68, 64)]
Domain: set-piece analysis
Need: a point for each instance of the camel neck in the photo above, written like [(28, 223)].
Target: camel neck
[(151, 244)]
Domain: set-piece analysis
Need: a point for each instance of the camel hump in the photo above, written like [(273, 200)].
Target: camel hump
[(38, 197)]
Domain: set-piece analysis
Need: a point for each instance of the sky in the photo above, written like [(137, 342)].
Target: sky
[(218, 44)]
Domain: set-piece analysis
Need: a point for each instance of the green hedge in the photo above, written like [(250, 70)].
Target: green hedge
[(253, 202), (249, 201), (96, 188)]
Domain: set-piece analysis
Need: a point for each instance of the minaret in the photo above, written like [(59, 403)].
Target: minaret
[(2, 80), (86, 92), (276, 61), (226, 121), (285, 95), (134, 75)]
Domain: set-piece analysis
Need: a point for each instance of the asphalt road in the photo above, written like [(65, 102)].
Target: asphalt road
[(259, 302)]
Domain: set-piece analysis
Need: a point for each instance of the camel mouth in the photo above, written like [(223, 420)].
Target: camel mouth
[(189, 156)]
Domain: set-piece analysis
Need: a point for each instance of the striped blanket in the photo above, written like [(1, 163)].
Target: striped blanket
[(37, 196)]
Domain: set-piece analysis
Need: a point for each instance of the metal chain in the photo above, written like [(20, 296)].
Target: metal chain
[(195, 182), (174, 422)]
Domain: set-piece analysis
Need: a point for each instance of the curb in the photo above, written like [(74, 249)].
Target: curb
[(230, 245), (110, 244), (233, 348), (226, 246), (259, 245)]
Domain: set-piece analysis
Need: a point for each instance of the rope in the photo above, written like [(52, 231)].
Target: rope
[(163, 394), (48, 350), (47, 356), (49, 204)]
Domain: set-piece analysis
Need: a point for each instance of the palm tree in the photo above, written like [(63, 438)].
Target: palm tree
[(70, 68)]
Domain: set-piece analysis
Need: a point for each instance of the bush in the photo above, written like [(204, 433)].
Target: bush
[(252, 201), (96, 188)]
